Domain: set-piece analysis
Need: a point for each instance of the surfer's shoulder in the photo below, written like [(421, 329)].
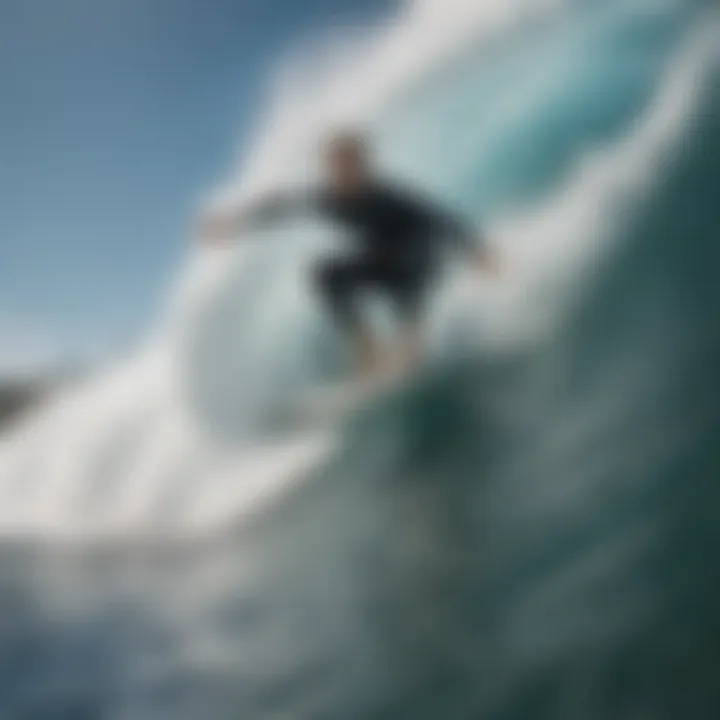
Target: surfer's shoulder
[(391, 194), (401, 198)]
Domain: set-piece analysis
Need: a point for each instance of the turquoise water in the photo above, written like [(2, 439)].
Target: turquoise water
[(527, 533)]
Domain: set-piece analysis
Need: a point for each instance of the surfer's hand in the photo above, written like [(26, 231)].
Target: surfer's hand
[(215, 228), (488, 261)]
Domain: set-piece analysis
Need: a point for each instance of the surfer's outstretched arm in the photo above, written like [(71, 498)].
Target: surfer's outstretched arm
[(482, 254), (468, 237), (447, 226), (220, 225)]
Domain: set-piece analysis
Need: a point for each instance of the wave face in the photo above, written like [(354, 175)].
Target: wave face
[(528, 530)]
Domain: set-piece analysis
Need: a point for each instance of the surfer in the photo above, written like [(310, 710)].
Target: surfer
[(396, 234)]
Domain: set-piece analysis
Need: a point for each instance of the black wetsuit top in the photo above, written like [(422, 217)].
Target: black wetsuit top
[(385, 222)]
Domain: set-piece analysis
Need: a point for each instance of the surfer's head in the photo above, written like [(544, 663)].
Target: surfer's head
[(347, 160)]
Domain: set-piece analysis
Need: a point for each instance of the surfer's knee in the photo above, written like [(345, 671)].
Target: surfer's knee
[(334, 283), (330, 280)]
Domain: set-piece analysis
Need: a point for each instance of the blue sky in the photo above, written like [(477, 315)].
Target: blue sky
[(116, 116)]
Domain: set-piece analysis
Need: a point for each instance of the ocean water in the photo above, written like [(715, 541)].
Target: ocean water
[(528, 530)]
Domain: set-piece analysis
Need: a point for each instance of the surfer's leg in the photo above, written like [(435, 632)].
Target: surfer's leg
[(338, 282), (409, 349), (409, 292)]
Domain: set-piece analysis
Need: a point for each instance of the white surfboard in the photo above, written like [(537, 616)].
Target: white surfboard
[(336, 402)]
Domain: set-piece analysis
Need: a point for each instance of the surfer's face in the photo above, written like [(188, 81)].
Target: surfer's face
[(346, 164)]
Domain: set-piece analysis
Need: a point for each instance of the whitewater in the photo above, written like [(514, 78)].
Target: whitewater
[(528, 529)]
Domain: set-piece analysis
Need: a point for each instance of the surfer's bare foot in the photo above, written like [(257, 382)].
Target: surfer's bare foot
[(373, 366), (408, 353), (367, 354)]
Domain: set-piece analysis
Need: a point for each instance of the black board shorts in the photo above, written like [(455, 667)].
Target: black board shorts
[(341, 280)]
